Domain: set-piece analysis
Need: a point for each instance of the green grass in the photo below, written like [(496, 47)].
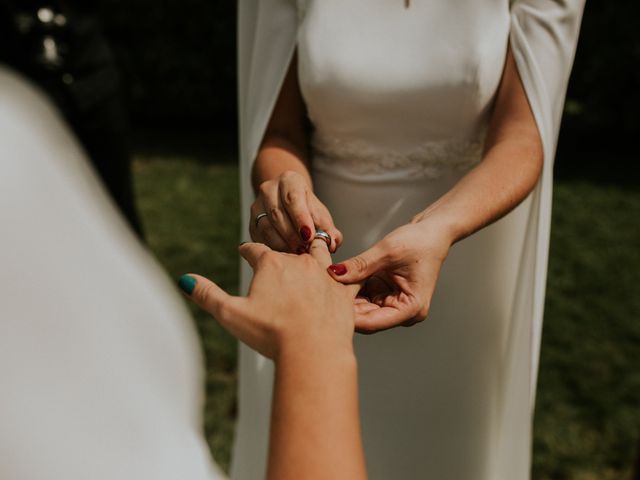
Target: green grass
[(588, 409), (190, 217)]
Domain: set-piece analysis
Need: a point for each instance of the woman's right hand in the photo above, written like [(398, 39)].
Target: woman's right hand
[(293, 215)]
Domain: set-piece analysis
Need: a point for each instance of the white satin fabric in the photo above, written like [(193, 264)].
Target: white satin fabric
[(100, 373), (400, 100)]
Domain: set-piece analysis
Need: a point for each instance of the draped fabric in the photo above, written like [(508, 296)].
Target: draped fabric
[(543, 35), (100, 371)]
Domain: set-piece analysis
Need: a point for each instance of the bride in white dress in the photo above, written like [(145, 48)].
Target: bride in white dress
[(428, 121)]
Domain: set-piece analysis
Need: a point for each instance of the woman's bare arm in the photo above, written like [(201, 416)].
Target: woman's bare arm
[(285, 146), (411, 256), (508, 172), (298, 316), (315, 423)]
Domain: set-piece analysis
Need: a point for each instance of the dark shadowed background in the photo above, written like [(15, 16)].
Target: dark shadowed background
[(179, 64)]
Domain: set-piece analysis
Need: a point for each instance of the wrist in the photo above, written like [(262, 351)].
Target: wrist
[(315, 354), (445, 227)]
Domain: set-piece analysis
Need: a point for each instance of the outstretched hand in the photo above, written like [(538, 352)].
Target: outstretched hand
[(398, 275), (291, 301)]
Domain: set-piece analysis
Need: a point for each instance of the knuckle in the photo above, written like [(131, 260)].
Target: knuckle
[(275, 214), (266, 257), (265, 188), (288, 175), (421, 312), (203, 295), (360, 264), (292, 198)]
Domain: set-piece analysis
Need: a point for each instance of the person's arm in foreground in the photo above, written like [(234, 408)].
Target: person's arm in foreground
[(406, 262), (302, 319)]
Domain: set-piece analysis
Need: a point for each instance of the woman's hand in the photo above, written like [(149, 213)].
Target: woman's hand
[(293, 213), (399, 274), (299, 316), (292, 302)]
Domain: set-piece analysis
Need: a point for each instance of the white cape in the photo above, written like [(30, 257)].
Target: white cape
[(543, 39)]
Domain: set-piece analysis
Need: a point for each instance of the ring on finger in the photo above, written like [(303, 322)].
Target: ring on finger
[(259, 217), (324, 236)]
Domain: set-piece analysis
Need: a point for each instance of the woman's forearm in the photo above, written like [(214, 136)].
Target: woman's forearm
[(315, 427), (508, 172), (285, 146), (279, 154)]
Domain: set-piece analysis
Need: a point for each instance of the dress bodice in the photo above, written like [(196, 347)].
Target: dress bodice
[(382, 100)]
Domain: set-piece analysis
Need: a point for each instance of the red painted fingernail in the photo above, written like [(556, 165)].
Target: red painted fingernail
[(305, 233), (338, 268)]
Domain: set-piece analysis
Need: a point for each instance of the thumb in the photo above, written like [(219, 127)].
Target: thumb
[(210, 297), (358, 268)]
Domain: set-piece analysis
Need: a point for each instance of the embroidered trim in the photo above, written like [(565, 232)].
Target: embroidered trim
[(429, 160)]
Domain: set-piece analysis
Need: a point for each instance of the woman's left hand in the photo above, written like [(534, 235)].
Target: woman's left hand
[(398, 275)]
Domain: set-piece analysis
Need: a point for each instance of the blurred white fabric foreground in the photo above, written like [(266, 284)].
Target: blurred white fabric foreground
[(100, 375)]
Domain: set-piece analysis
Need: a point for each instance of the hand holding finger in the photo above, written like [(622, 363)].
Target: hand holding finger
[(357, 269), (320, 251)]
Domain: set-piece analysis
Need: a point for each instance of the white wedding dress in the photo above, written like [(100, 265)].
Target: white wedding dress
[(399, 99)]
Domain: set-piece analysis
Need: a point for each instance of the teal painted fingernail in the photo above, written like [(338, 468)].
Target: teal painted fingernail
[(187, 283)]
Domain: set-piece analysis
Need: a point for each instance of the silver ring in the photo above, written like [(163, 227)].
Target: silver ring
[(324, 236), (259, 217)]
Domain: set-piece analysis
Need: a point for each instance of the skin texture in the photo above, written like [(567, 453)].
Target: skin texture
[(298, 316), (400, 272)]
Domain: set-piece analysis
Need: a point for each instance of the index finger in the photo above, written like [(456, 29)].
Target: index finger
[(320, 251)]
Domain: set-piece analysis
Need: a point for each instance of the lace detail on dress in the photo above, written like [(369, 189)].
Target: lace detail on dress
[(429, 160)]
